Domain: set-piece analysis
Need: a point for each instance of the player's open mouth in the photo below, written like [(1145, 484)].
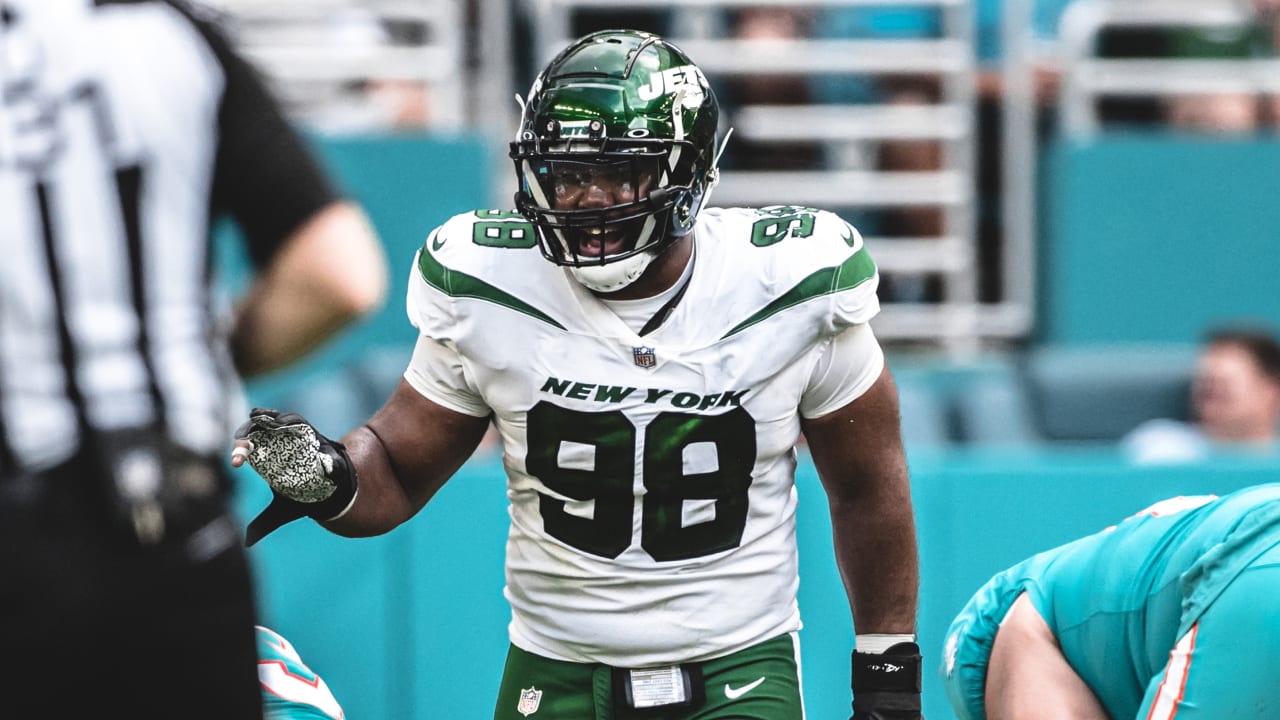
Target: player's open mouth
[(596, 242)]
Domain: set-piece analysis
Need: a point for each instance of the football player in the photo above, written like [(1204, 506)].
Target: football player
[(650, 364), (1170, 614)]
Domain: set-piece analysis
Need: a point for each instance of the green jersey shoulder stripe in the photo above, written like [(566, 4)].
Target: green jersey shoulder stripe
[(854, 271), (459, 284)]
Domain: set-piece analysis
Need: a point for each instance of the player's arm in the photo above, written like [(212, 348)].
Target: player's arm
[(857, 450), (381, 473), (374, 478), (858, 453), (1028, 677), (329, 272), (402, 456)]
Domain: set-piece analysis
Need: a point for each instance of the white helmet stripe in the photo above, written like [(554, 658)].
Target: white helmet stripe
[(677, 122), (646, 231), (535, 189)]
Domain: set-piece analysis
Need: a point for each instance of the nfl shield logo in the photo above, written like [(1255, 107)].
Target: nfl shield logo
[(529, 701), (644, 356)]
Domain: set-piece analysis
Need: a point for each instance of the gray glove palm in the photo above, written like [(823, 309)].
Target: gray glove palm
[(309, 474)]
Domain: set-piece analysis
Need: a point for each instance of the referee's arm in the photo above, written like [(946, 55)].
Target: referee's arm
[(329, 272), (320, 264)]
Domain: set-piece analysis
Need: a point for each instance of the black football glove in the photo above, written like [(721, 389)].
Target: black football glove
[(309, 474), (886, 686)]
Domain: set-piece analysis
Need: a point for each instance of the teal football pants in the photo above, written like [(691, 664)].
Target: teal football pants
[(1225, 666)]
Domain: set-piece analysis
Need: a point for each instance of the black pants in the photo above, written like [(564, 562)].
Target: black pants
[(91, 625)]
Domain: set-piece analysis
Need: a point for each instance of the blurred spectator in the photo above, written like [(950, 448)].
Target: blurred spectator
[(989, 31), (1269, 18), (1220, 112), (374, 103), (889, 155), (991, 92), (764, 24), (772, 23), (405, 104), (924, 22), (529, 60), (589, 20), (1235, 398)]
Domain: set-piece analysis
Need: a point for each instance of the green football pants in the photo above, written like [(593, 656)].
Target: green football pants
[(761, 682)]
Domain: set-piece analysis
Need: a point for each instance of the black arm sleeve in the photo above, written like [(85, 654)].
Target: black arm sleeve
[(266, 177)]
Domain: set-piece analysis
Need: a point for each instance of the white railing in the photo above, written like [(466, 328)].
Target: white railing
[(1087, 77), (957, 319), (323, 56), (468, 67)]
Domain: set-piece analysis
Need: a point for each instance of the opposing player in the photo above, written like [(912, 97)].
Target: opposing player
[(650, 384), (290, 689), (1170, 614)]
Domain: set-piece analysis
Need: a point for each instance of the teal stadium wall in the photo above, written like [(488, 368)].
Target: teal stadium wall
[(412, 625), (1154, 238)]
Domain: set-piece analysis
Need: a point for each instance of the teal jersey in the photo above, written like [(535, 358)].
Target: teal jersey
[(290, 690), (1118, 601)]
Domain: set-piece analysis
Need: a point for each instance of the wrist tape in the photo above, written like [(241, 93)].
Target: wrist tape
[(876, 643)]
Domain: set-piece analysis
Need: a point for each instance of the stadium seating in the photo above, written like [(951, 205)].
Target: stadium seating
[(1098, 393), (1050, 394)]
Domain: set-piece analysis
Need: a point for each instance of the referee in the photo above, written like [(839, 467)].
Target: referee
[(126, 129)]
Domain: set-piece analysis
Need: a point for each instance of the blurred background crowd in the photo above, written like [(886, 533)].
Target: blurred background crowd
[(1051, 188)]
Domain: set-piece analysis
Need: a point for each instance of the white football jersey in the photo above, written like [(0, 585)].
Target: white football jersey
[(651, 479)]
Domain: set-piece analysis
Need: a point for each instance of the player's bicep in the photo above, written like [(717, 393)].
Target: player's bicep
[(437, 416), (425, 442), (857, 448)]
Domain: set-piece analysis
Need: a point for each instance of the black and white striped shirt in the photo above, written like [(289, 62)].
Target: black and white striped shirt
[(125, 129)]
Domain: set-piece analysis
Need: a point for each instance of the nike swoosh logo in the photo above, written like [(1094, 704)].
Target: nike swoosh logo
[(735, 693), (436, 242)]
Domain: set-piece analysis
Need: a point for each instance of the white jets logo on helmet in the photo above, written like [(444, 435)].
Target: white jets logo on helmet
[(672, 80)]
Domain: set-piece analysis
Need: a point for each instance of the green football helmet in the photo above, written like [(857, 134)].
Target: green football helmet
[(627, 111)]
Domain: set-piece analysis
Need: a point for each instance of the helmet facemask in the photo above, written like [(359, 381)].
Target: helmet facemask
[(567, 193)]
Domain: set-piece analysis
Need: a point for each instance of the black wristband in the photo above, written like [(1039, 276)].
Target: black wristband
[(896, 669), (886, 686)]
